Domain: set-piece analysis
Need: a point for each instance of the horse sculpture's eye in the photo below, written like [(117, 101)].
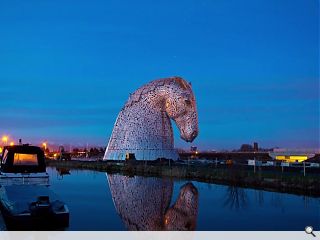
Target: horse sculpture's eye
[(187, 101)]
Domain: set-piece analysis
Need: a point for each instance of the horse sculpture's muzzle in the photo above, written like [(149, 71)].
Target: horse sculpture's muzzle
[(188, 133), (189, 137), (188, 129)]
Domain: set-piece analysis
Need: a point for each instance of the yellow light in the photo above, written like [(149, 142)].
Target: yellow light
[(298, 158), (55, 155), (11, 143), (293, 158), (282, 158), (197, 152), (1, 150), (44, 145), (4, 139)]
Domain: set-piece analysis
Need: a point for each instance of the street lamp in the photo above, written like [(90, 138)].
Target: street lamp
[(44, 145), (5, 140), (11, 143)]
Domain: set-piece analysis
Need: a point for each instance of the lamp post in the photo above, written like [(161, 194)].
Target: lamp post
[(44, 145), (5, 140)]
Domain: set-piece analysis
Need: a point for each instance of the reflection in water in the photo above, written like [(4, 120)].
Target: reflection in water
[(143, 203), (259, 197), (236, 198), (183, 214), (61, 172), (2, 223), (277, 202)]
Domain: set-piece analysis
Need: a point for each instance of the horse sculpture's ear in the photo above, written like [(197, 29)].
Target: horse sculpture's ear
[(190, 84), (181, 82)]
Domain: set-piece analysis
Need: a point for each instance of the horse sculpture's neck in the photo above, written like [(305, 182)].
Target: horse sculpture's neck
[(143, 126)]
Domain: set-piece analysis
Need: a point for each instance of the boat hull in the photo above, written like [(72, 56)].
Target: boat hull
[(7, 179), (32, 207), (53, 221)]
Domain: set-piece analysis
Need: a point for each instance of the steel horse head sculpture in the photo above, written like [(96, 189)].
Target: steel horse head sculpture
[(143, 126)]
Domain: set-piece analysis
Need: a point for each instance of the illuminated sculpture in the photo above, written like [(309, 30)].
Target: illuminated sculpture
[(143, 203), (143, 126)]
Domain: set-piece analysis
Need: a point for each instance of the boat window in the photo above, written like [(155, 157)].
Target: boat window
[(25, 159)]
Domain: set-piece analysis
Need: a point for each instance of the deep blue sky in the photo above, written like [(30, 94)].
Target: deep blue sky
[(67, 67)]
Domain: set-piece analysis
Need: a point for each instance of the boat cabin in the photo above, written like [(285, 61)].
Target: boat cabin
[(22, 159)]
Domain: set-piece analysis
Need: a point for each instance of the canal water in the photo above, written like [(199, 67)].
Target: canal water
[(114, 202)]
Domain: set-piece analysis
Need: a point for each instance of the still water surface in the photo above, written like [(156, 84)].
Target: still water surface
[(115, 202)]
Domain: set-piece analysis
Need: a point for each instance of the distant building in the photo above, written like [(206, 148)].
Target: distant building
[(193, 149), (290, 156), (246, 148), (255, 147)]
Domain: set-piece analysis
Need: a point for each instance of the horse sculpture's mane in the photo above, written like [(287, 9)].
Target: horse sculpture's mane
[(143, 91), (143, 126)]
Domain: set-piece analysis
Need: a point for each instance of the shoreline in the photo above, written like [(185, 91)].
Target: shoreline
[(264, 178)]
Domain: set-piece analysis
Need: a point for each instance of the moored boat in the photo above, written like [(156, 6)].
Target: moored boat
[(26, 201)]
